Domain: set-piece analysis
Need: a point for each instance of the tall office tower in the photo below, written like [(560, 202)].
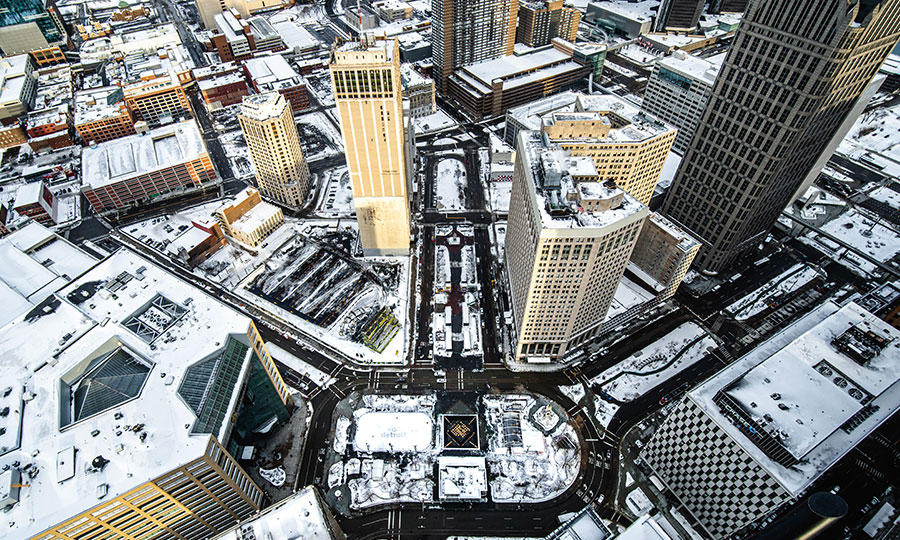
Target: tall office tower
[(663, 253), (368, 92), (569, 238), (760, 432), (470, 31), (792, 75), (268, 125), (542, 20), (26, 25), (679, 15), (627, 146), (728, 6)]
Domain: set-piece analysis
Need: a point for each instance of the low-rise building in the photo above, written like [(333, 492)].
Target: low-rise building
[(157, 388), (158, 101), (302, 515), (419, 90), (101, 115), (237, 39), (677, 92), (662, 255), (223, 90), (757, 435), (12, 135), (248, 219), (37, 202), (492, 87), (272, 73), (49, 128), (393, 10), (18, 86), (627, 146), (137, 169), (623, 18)]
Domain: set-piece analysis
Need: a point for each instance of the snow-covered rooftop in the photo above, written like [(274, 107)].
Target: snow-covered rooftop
[(564, 203), (299, 517), (142, 437), (126, 157), (36, 262), (94, 104), (269, 69), (816, 389), (12, 77), (295, 36), (703, 70), (629, 122), (641, 10), (256, 216)]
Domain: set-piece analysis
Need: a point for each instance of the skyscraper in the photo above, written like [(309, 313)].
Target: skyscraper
[(792, 75), (569, 239), (466, 32), (268, 125), (368, 92), (679, 15)]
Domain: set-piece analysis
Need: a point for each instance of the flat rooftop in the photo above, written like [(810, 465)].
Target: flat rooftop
[(704, 70), (36, 263), (127, 157), (97, 103), (12, 77), (507, 66), (629, 123), (558, 196), (300, 516), (817, 388), (45, 354), (270, 69)]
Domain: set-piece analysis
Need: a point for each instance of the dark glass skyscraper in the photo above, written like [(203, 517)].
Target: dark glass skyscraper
[(791, 77)]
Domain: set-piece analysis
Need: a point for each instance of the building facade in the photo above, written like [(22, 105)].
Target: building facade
[(369, 96), (463, 34), (271, 134), (18, 86), (36, 201), (773, 110), (568, 241), (627, 146), (678, 91), (157, 101), (679, 15), (419, 90), (101, 115), (137, 169), (248, 219), (492, 87), (540, 21), (663, 253), (756, 435)]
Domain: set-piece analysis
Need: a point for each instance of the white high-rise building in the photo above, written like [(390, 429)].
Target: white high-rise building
[(568, 241)]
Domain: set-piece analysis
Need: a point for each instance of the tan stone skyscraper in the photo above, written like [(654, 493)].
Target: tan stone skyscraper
[(368, 93), (268, 125), (569, 239)]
